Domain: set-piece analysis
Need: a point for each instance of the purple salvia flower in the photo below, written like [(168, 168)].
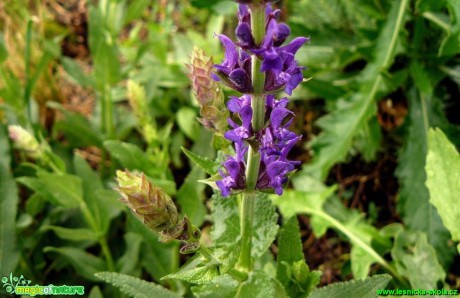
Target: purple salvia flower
[(282, 72)]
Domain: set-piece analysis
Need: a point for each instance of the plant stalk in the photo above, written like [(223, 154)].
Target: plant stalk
[(253, 159)]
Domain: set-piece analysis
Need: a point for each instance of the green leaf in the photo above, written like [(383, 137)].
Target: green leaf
[(72, 234), (186, 119), (9, 254), (416, 259), (130, 156), (292, 271), (443, 180), (135, 10), (102, 203), (265, 227), (207, 165), (348, 222), (413, 201), (197, 270), (223, 286), (130, 259), (158, 258), (84, 263), (61, 189), (362, 288), (76, 73), (341, 126), (226, 219), (135, 287), (78, 130), (260, 285), (190, 197)]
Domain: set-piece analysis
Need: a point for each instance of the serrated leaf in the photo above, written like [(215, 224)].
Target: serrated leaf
[(416, 259), (135, 287), (207, 165), (413, 201), (443, 180), (197, 270), (84, 263), (226, 228), (289, 245), (223, 286), (265, 225), (72, 234), (9, 254), (341, 126), (362, 288), (292, 271)]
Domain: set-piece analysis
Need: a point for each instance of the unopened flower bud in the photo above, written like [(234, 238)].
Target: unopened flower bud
[(153, 207), (205, 89), (207, 92), (25, 141), (149, 203)]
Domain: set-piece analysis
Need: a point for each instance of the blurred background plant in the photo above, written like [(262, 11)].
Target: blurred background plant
[(102, 85)]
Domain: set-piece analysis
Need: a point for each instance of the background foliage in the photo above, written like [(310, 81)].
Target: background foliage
[(378, 191)]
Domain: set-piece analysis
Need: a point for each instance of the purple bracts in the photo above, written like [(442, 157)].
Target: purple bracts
[(274, 140)]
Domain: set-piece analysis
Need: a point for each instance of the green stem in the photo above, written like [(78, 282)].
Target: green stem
[(253, 160)]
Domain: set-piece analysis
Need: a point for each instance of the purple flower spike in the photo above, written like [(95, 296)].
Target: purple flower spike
[(282, 72)]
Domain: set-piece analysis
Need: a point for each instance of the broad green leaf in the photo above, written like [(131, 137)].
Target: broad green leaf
[(76, 73), (341, 126), (416, 259), (135, 10), (159, 259), (226, 220), (413, 201), (207, 165), (197, 270), (130, 259), (265, 227), (366, 288), (130, 156), (191, 194), (186, 119), (9, 254), (72, 234), (223, 286), (443, 180), (135, 287), (103, 204), (61, 189), (84, 263), (260, 285), (79, 132), (190, 197)]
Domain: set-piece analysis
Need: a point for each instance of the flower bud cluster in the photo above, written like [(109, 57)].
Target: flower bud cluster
[(26, 142), (207, 92), (274, 140)]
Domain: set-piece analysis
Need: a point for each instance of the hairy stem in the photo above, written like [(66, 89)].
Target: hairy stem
[(253, 160)]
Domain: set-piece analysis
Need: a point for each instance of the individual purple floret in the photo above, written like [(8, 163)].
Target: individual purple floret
[(233, 177), (273, 140)]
